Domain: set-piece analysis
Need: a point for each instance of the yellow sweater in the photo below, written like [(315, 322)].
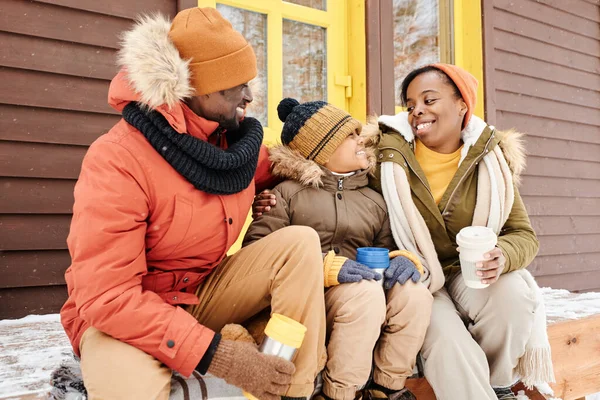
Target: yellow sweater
[(439, 168)]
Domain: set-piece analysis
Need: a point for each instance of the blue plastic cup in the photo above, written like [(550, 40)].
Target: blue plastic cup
[(376, 258)]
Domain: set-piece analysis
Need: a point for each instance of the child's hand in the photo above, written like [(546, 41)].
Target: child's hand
[(352, 271), (400, 270)]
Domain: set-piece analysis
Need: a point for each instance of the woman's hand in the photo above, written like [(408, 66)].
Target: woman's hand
[(490, 269), (263, 203)]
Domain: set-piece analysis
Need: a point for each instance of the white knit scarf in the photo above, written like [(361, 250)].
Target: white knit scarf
[(495, 199)]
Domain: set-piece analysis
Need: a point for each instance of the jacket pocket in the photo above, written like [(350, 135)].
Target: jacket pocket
[(176, 232)]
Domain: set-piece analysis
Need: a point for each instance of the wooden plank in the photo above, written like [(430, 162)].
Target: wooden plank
[(124, 9), (43, 89), (489, 61), (36, 196), (538, 88), (545, 33), (386, 24), (41, 20), (568, 244), (44, 125), (48, 55), (550, 16), (34, 232), (534, 125), (532, 394), (563, 187), (563, 149), (580, 280), (564, 264), (571, 225), (550, 205), (589, 290), (185, 4), (525, 65), (423, 391), (509, 42), (40, 160), (546, 108), (20, 302), (544, 166), (420, 388), (575, 7), (33, 268), (374, 85), (576, 357)]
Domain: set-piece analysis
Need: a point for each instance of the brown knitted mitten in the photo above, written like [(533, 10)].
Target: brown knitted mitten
[(241, 364)]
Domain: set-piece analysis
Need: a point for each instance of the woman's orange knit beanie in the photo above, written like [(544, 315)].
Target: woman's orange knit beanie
[(466, 83), (220, 57)]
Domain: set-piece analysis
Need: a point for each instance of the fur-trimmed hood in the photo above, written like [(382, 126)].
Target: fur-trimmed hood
[(511, 142), (152, 71), (290, 164)]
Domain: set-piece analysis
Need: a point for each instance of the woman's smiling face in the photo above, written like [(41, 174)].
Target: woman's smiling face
[(435, 113)]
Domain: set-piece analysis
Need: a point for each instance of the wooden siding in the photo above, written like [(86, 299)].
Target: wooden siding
[(542, 68), (380, 57), (56, 62)]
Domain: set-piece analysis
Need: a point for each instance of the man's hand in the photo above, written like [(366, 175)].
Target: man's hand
[(490, 269), (241, 364), (263, 203)]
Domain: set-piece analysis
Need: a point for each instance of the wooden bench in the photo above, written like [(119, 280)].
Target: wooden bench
[(32, 347), (574, 334)]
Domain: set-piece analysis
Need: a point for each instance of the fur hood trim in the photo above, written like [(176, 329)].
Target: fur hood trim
[(153, 65), (289, 164), (511, 142)]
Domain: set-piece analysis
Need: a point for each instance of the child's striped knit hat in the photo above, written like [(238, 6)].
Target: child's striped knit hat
[(315, 129)]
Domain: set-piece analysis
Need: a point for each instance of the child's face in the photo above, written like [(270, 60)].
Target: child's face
[(350, 156)]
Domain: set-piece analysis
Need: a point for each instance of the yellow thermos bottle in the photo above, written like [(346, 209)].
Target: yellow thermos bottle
[(283, 337)]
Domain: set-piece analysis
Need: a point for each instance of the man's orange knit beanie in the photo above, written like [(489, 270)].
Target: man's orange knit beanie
[(466, 83), (220, 57)]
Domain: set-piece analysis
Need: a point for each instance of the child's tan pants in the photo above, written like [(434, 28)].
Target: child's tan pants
[(359, 319)]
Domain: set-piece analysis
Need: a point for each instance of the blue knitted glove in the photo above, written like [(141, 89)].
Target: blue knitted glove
[(352, 271), (400, 270)]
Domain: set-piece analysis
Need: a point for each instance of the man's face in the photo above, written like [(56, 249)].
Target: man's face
[(226, 107)]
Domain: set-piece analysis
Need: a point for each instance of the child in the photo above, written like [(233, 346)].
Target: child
[(326, 164)]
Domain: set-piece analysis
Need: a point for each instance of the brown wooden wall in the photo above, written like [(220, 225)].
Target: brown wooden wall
[(542, 76), (57, 58)]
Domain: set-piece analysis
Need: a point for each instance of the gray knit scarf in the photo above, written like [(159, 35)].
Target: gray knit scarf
[(208, 167)]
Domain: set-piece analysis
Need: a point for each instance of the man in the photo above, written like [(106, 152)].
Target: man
[(160, 199)]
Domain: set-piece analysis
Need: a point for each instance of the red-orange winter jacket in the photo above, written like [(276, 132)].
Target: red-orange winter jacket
[(143, 238)]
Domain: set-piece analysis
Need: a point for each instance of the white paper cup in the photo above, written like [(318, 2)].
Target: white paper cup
[(474, 242)]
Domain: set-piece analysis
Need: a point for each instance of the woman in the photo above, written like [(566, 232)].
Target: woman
[(441, 169), (463, 172)]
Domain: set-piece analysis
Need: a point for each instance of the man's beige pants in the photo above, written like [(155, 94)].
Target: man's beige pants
[(283, 270), (359, 319), (476, 337)]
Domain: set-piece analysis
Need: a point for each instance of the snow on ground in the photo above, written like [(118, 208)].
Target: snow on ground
[(562, 304), (32, 347)]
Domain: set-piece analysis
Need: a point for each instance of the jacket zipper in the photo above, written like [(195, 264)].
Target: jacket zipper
[(475, 161), (341, 184)]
